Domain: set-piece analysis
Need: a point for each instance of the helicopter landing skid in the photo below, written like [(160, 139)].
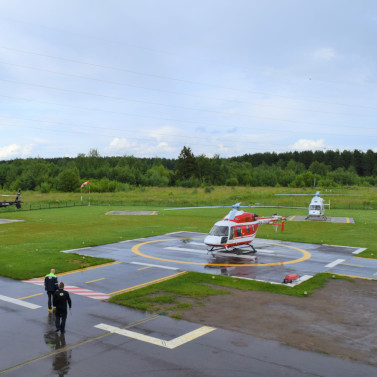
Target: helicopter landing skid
[(237, 250)]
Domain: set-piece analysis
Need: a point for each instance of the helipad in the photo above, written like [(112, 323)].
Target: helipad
[(331, 219), (185, 251), (7, 221), (132, 213)]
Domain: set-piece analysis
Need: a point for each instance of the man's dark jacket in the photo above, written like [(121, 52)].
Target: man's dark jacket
[(51, 283), (60, 300)]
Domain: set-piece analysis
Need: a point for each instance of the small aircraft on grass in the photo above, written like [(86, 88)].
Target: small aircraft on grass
[(237, 229), (7, 203)]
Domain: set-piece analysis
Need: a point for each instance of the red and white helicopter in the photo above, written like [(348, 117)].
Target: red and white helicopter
[(17, 202), (237, 229)]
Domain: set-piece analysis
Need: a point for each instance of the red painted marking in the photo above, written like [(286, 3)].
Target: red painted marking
[(75, 290)]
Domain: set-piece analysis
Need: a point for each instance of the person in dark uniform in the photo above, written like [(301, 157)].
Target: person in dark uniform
[(51, 285), (61, 299)]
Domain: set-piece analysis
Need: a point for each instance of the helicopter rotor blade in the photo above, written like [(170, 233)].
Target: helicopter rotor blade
[(234, 206)]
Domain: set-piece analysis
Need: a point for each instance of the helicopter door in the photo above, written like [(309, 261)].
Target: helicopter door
[(231, 234)]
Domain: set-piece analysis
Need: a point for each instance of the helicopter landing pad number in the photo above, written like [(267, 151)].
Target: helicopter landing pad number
[(305, 255)]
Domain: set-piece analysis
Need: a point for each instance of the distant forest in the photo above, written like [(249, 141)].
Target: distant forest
[(107, 174)]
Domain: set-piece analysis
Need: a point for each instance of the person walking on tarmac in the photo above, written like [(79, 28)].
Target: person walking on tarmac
[(60, 300), (51, 285)]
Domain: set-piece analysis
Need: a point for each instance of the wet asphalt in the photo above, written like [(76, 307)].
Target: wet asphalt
[(31, 347)]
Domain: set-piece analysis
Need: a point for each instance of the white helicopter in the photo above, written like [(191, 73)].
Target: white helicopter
[(316, 207), (237, 229)]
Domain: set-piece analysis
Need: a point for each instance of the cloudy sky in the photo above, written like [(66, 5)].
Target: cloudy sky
[(147, 77)]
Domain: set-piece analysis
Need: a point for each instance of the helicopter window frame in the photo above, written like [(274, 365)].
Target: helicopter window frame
[(239, 231), (231, 235), (247, 229)]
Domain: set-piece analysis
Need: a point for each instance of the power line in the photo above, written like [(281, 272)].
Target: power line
[(180, 80), (171, 135), (174, 92), (173, 106)]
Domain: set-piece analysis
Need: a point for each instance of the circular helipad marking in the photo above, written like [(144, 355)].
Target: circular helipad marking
[(306, 255)]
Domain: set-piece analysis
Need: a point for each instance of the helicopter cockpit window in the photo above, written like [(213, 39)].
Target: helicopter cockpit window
[(219, 231), (315, 208)]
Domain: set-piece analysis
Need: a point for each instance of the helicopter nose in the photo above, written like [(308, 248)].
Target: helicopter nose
[(215, 240), (212, 240)]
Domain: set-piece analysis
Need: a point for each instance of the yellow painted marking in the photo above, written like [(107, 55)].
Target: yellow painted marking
[(153, 213), (24, 298), (292, 218), (353, 265), (348, 220), (86, 269), (143, 268), (354, 277), (135, 249), (92, 281), (147, 283), (170, 344)]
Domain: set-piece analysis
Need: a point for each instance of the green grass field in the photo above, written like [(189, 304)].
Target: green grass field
[(30, 248), (362, 197)]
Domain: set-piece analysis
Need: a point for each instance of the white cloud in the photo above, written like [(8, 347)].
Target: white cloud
[(9, 151), (163, 132), (307, 144), (121, 146)]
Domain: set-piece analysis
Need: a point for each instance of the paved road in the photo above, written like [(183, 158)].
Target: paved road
[(103, 339)]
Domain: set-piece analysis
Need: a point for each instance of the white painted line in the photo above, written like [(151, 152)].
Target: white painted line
[(266, 251), (185, 249), (296, 282), (301, 279), (170, 344), (184, 231), (155, 265), (196, 243), (19, 302), (233, 255), (358, 251), (335, 263)]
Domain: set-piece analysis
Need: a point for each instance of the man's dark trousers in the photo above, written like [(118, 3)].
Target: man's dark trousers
[(50, 294), (60, 318)]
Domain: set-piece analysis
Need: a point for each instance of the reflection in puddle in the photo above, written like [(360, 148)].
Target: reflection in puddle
[(221, 263), (56, 341), (218, 259)]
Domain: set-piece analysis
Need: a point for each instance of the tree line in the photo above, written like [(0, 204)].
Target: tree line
[(107, 174)]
